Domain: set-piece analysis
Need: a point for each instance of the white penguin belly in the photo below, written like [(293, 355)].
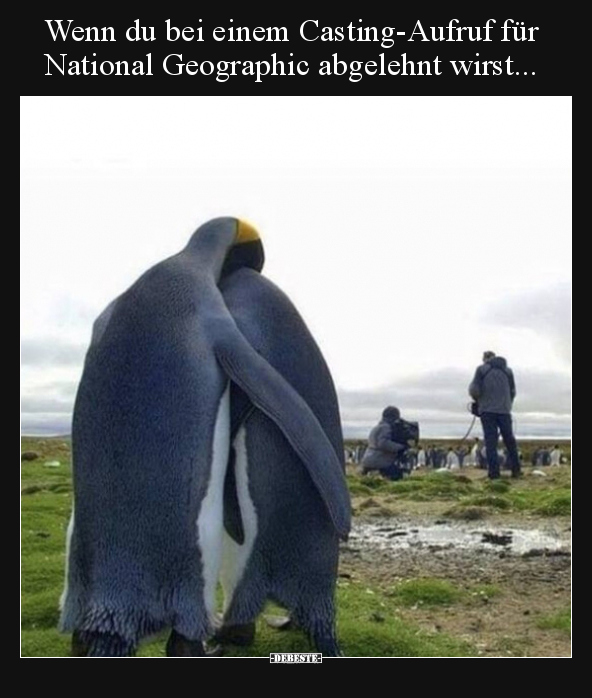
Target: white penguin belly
[(209, 521), (234, 556), (69, 533)]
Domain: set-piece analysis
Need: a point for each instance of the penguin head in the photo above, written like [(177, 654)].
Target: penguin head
[(232, 240), (247, 250)]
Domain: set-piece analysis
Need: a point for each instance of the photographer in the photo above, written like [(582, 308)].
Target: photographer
[(387, 444), (494, 389)]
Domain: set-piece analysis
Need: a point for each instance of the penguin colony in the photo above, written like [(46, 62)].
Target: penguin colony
[(207, 447)]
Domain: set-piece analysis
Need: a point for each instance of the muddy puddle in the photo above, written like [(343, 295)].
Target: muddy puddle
[(452, 536)]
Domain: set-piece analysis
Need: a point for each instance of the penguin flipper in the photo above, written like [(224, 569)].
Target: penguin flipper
[(275, 397)]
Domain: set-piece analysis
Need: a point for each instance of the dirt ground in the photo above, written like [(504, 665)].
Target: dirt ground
[(530, 586)]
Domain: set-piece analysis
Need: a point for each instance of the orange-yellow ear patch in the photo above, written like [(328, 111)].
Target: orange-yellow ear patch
[(246, 233)]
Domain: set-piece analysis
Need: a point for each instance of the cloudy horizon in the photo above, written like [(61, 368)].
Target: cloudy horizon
[(412, 234), (437, 399)]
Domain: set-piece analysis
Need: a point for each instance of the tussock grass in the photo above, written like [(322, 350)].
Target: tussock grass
[(467, 513), (558, 621), (422, 487), (485, 591), (488, 500), (496, 486), (427, 592), (557, 505), (473, 495)]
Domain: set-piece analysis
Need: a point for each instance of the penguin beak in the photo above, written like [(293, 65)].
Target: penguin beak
[(246, 233)]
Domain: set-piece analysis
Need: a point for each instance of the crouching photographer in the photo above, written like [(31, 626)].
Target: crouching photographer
[(388, 444)]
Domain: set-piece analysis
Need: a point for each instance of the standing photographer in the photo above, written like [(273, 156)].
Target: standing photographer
[(383, 452), (494, 390)]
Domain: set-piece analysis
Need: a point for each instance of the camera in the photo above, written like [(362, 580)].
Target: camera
[(404, 431)]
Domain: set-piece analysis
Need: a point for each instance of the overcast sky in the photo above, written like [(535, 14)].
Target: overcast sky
[(412, 233)]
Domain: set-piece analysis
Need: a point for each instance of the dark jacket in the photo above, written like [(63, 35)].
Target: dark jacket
[(382, 450), (493, 386)]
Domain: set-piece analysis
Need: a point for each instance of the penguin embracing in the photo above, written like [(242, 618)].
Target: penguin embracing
[(206, 446)]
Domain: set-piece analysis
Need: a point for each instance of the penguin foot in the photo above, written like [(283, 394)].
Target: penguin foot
[(180, 646), (241, 635), (79, 647), (216, 651), (91, 644), (327, 645), (280, 622)]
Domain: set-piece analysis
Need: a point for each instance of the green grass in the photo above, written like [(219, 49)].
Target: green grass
[(549, 496), (44, 520), (556, 502), (363, 636), (496, 486), (488, 500), (485, 591), (553, 503), (44, 642), (429, 592), (558, 621), (417, 487), (425, 592)]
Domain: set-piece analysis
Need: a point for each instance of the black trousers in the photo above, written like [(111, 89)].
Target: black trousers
[(493, 425)]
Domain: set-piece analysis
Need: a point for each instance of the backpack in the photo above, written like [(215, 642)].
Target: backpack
[(474, 407)]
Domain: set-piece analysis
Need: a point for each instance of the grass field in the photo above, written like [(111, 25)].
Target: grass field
[(373, 618), (550, 496)]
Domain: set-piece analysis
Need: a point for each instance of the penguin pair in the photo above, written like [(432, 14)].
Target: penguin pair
[(206, 443)]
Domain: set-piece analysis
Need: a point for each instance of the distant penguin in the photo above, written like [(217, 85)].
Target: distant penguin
[(281, 541), (151, 443)]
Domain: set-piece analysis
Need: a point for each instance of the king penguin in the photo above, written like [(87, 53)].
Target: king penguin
[(151, 441), (280, 542)]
